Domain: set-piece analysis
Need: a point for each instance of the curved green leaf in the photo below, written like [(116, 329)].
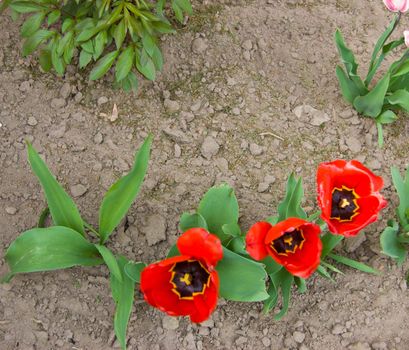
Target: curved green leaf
[(103, 65), (188, 221), (62, 207), (53, 17), (123, 295), (122, 193), (291, 205), (390, 244), (45, 249), (35, 40), (352, 263), (402, 187), (110, 261), (32, 24), (399, 98), (133, 270), (124, 63), (241, 279), (218, 207), (371, 104)]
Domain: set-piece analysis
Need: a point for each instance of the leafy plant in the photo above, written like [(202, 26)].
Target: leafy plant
[(395, 238), (113, 33), (66, 244), (390, 94)]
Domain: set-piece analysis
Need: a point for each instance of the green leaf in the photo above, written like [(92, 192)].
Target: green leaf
[(110, 261), (130, 82), (402, 70), (157, 59), (390, 244), (331, 267), (283, 280), (402, 187), (88, 33), (45, 60), (133, 270), (185, 6), (399, 98), (354, 264), (178, 11), (291, 205), (4, 5), (241, 279), (329, 242), (380, 134), (348, 88), (122, 193), (57, 61), (35, 40), (347, 56), (62, 207), (67, 24), (301, 284), (173, 251), (232, 229), (271, 266), (26, 6), (371, 104), (120, 33), (53, 17), (387, 117), (32, 24), (123, 294), (148, 43), (45, 249), (124, 63), (146, 66), (218, 207), (382, 40), (99, 44), (238, 245), (188, 221), (321, 270), (103, 65), (85, 58)]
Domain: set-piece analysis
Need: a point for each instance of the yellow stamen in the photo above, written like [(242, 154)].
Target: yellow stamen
[(288, 240), (344, 203), (186, 279)]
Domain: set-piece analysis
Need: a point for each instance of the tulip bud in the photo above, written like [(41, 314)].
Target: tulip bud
[(397, 5)]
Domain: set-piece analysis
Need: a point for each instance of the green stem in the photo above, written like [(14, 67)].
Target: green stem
[(91, 228)]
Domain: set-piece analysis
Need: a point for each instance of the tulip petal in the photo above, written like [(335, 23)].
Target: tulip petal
[(255, 240)]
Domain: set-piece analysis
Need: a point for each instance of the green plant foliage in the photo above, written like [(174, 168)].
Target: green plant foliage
[(121, 194), (389, 94), (291, 205), (123, 294), (241, 279), (63, 209), (390, 243), (45, 249), (188, 221), (219, 207), (124, 34)]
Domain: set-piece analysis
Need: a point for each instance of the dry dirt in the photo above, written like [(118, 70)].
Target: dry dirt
[(238, 69)]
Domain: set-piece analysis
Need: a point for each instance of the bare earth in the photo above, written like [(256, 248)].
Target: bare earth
[(237, 70)]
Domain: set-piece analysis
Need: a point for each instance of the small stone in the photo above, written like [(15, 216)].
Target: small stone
[(359, 346), (58, 103), (199, 45), (348, 113), (255, 149), (11, 210), (25, 86), (102, 100), (246, 55), (171, 106), (178, 151), (298, 337), (78, 190), (337, 329), (380, 346), (241, 341), (266, 342), (263, 187), (98, 138), (209, 147), (204, 331), (155, 229), (353, 144), (59, 131), (32, 121), (170, 323), (247, 45), (65, 90), (374, 164), (315, 116)]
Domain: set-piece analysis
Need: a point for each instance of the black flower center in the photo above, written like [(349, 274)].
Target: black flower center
[(189, 278), (288, 242), (344, 205)]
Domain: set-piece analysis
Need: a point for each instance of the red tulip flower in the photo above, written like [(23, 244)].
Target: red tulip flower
[(186, 285), (348, 194), (293, 243)]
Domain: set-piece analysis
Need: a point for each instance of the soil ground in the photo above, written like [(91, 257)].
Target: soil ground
[(237, 74)]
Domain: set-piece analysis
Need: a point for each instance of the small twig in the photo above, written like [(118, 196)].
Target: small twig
[(271, 134)]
